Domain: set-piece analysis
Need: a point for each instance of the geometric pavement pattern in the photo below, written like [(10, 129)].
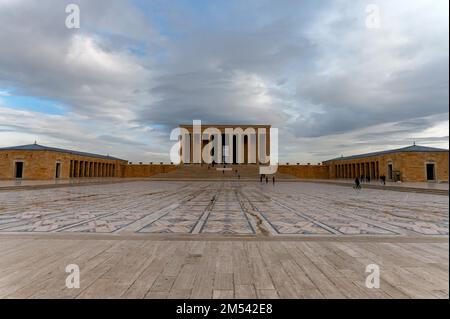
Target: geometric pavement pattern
[(228, 207)]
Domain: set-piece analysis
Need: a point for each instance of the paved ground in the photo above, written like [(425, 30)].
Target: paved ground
[(223, 208), (72, 181), (222, 239), (9, 184), (35, 268), (418, 185)]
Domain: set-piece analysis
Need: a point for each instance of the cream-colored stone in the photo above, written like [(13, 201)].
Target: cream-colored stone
[(41, 165)]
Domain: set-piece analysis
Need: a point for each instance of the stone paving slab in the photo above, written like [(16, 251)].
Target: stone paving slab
[(230, 207), (142, 268)]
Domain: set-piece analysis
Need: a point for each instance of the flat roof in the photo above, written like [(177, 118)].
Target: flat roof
[(228, 125), (411, 149), (37, 147)]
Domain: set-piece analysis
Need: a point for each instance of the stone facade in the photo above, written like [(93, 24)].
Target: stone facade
[(146, 170), (410, 164), (405, 166), (255, 141), (305, 171), (43, 165)]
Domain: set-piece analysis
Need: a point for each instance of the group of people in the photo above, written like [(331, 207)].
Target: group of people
[(262, 177), (266, 178), (367, 179), (236, 173)]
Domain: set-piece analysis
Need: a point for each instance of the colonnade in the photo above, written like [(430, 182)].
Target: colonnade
[(360, 169), (91, 169)]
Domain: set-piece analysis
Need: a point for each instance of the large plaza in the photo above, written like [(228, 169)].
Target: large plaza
[(222, 239), (222, 208)]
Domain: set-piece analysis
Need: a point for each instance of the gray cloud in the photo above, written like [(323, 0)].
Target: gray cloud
[(136, 70)]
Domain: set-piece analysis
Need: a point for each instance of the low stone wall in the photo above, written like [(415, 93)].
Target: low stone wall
[(145, 170), (305, 171)]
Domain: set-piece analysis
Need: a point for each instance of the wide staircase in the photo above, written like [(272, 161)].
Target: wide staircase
[(218, 172)]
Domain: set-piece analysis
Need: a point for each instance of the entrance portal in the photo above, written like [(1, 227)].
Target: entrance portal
[(58, 170), (18, 170), (431, 176), (390, 175)]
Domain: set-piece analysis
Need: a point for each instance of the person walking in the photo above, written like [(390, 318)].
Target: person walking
[(357, 183), (273, 181), (267, 179)]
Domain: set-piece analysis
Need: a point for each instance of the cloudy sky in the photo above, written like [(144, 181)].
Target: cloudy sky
[(330, 81)]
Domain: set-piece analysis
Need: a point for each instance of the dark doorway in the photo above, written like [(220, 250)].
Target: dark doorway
[(58, 170), (246, 149), (235, 155), (19, 169), (390, 172), (430, 172), (224, 149), (213, 150)]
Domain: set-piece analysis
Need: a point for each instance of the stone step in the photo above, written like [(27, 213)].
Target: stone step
[(217, 172)]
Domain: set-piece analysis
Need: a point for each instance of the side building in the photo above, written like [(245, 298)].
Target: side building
[(408, 164), (37, 162)]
